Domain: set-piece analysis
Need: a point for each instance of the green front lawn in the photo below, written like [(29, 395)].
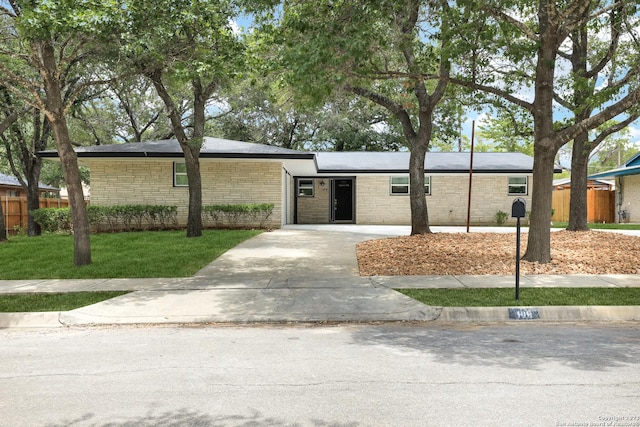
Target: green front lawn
[(116, 255), (502, 297), (52, 302)]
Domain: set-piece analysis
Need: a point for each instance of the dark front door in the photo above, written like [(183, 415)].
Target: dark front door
[(342, 196)]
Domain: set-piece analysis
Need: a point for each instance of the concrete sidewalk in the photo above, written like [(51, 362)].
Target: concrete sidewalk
[(299, 275)]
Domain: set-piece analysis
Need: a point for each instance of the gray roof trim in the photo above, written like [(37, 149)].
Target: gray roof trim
[(625, 171), (435, 162), (212, 148)]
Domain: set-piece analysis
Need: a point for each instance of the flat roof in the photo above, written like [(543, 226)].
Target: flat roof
[(398, 162), (211, 148)]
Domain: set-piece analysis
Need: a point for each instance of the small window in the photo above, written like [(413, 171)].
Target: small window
[(305, 188), (518, 185), (180, 175), (400, 185)]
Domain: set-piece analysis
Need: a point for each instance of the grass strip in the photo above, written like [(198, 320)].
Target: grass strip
[(18, 303), (502, 297), (116, 255)]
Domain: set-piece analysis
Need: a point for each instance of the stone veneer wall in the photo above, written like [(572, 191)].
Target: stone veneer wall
[(315, 210), (117, 182), (447, 204), (630, 198)]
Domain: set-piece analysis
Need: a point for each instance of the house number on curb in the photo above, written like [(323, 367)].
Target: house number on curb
[(524, 313)]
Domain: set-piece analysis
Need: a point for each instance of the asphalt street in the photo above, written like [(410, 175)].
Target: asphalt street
[(331, 375)]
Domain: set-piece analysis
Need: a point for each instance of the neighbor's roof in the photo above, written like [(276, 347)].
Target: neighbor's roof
[(11, 181), (631, 167), (212, 148), (624, 171), (398, 162)]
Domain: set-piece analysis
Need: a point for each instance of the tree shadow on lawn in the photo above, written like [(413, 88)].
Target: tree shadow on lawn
[(528, 346)]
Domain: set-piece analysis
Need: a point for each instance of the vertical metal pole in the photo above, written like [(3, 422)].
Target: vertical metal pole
[(473, 130), (518, 259)]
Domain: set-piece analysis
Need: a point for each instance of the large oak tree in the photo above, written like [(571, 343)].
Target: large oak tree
[(523, 51), (46, 48)]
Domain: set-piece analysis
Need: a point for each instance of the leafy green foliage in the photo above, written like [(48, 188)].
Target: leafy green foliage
[(113, 218), (234, 215)]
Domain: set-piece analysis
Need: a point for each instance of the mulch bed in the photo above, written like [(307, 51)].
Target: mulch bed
[(589, 252)]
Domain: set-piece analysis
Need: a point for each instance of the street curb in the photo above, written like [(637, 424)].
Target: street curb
[(46, 319), (596, 313), (446, 314)]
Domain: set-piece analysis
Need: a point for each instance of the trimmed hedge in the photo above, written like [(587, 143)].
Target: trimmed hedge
[(233, 216), (155, 217), (111, 218)]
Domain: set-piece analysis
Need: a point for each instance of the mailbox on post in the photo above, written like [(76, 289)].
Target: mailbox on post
[(518, 210)]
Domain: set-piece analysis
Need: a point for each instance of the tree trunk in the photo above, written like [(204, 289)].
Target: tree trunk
[(578, 201), (194, 218), (55, 113), (544, 152), (539, 240), (190, 146), (418, 201), (3, 227), (33, 203)]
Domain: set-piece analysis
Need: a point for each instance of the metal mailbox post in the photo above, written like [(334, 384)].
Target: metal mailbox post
[(518, 210)]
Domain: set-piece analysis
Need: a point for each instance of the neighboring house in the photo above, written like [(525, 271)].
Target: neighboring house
[(13, 199), (10, 187), (592, 184), (627, 179), (327, 187)]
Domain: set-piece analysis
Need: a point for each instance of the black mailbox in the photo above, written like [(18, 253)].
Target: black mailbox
[(518, 208)]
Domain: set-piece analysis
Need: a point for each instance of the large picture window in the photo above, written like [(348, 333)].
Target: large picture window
[(518, 185), (180, 175), (400, 185)]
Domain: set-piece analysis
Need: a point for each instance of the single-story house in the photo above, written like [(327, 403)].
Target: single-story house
[(307, 187), (11, 187), (627, 179)]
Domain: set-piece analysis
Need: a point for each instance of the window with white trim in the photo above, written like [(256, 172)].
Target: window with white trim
[(305, 188), (180, 174), (518, 185), (400, 185)]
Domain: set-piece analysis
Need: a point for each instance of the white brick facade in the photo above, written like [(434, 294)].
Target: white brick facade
[(447, 204), (118, 182), (629, 197)]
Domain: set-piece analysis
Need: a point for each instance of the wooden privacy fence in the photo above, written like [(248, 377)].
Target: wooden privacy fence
[(601, 205), (15, 212)]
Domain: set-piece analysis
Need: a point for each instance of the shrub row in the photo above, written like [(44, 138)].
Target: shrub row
[(235, 215), (112, 218), (156, 217)]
